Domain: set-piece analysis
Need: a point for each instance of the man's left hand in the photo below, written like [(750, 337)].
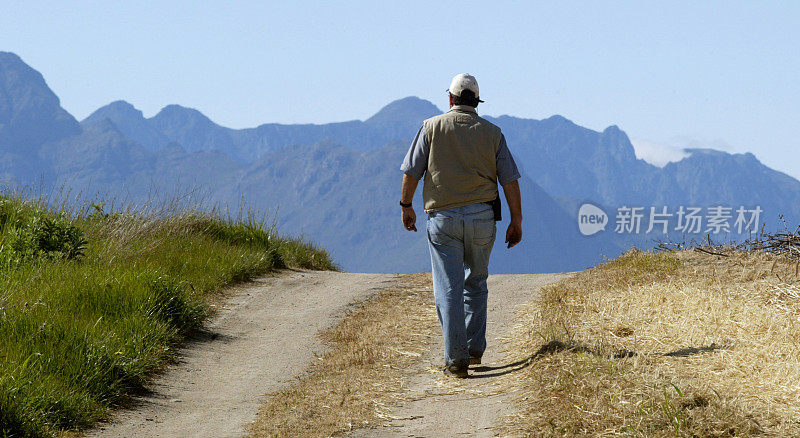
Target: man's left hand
[(410, 219), (514, 233)]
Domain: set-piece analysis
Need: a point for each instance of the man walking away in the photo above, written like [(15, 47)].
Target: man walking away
[(462, 157)]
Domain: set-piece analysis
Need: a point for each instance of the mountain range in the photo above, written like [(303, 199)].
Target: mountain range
[(337, 184)]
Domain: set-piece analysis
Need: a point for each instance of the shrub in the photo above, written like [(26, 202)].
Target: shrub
[(32, 233)]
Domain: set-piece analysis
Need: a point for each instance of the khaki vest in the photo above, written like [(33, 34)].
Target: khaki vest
[(462, 163)]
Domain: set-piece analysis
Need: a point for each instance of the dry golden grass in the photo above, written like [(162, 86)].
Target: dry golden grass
[(669, 344), (354, 384)]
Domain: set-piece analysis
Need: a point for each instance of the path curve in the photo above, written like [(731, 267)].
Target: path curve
[(263, 336)]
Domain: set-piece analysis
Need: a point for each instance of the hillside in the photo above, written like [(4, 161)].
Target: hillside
[(684, 343), (93, 304)]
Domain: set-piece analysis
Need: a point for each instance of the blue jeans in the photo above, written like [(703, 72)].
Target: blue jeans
[(460, 241)]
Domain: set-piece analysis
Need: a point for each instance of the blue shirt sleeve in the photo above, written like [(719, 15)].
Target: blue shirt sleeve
[(507, 171), (416, 161)]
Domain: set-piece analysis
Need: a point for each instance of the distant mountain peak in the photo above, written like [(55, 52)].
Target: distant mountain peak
[(706, 151), (30, 113), (558, 120), (191, 129), (178, 112), (614, 132), (8, 57), (130, 122), (114, 111), (714, 154), (122, 105), (409, 109)]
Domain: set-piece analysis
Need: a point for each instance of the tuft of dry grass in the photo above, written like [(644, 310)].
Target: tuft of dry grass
[(667, 344), (363, 373)]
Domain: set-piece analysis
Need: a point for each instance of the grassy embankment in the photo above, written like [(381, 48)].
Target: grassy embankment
[(665, 344), (92, 305)]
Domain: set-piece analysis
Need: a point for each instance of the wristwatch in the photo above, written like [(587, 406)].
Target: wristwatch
[(404, 205)]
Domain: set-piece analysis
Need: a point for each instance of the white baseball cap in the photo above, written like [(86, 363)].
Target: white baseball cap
[(464, 81)]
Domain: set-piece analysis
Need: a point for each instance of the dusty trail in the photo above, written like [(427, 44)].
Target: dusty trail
[(263, 335), (441, 406)]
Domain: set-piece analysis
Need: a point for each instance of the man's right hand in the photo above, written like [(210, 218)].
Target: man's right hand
[(409, 219), (514, 233)]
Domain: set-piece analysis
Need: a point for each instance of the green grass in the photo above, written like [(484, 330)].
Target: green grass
[(92, 305)]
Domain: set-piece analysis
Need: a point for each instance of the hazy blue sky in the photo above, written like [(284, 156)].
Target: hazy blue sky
[(716, 74)]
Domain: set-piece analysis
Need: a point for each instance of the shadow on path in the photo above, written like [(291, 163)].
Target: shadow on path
[(558, 346)]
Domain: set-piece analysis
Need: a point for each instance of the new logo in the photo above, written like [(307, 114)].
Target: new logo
[(591, 219)]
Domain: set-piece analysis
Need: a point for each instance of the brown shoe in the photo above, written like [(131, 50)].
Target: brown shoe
[(460, 372), (474, 360)]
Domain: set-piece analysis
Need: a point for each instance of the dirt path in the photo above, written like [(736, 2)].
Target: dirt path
[(440, 406), (263, 336)]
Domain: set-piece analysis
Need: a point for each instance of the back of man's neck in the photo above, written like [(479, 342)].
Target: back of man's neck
[(464, 108)]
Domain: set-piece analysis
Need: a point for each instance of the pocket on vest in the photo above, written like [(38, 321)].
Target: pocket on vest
[(483, 232)]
